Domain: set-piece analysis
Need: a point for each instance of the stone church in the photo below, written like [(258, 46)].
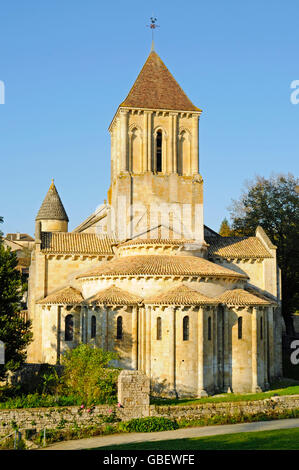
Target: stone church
[(143, 276)]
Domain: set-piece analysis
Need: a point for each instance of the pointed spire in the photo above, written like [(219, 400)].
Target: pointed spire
[(156, 88), (52, 207)]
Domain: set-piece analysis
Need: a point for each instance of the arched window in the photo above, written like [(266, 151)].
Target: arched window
[(69, 328), (240, 327), (184, 166), (209, 328), (93, 326), (186, 328), (119, 328), (261, 327), (159, 328), (159, 152)]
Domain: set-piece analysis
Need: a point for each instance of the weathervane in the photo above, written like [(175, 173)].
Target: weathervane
[(153, 26)]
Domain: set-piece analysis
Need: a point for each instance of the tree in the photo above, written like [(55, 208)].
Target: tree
[(14, 329), (274, 204), (87, 374), (225, 229)]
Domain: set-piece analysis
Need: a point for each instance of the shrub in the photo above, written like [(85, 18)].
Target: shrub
[(87, 374), (149, 424)]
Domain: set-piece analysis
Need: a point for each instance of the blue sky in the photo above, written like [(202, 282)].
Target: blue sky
[(68, 64)]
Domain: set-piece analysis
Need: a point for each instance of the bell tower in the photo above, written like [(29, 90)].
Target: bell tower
[(155, 180)]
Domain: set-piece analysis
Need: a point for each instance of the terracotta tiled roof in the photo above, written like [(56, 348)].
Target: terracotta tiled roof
[(241, 297), (156, 88), (52, 207), (261, 296), (68, 295), (237, 247), (181, 295), (114, 296), (156, 241), (161, 265), (76, 243), (22, 237)]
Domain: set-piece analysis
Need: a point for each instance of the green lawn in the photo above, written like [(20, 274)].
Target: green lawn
[(285, 387), (284, 439)]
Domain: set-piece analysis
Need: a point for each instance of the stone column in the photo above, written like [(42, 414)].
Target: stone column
[(215, 348), (143, 336), (149, 139), (58, 309), (194, 145), (201, 340), (145, 140), (148, 341), (265, 335), (172, 143), (226, 366), (271, 343), (254, 353), (134, 338), (175, 143), (82, 321), (106, 334), (103, 327), (220, 319), (172, 349), (123, 139), (139, 339)]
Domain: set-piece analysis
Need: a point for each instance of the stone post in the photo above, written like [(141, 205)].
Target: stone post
[(134, 393)]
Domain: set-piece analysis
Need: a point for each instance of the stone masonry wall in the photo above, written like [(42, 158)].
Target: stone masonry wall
[(133, 397), (267, 406)]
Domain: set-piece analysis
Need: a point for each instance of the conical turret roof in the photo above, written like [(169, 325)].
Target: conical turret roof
[(52, 207), (156, 88)]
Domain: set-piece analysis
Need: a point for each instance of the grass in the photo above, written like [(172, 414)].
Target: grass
[(284, 387), (283, 439)]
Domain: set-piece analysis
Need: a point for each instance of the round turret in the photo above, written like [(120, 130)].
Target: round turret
[(51, 214)]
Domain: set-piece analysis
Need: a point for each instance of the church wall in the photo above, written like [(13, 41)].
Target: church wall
[(148, 192), (209, 381), (241, 366), (123, 346), (146, 287), (186, 353), (254, 270), (63, 270), (160, 351), (270, 276)]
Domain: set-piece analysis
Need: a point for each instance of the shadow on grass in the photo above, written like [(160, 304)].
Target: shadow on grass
[(284, 439), (282, 387)]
